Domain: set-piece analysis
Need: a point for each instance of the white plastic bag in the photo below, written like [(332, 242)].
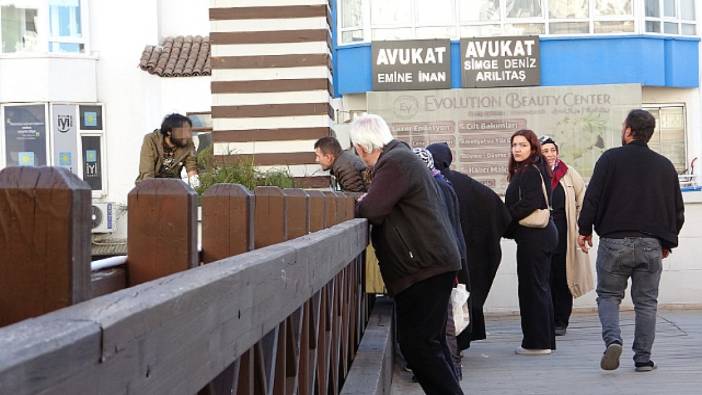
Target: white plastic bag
[(459, 308)]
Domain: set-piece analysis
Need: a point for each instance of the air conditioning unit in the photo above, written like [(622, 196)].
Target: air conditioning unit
[(103, 217)]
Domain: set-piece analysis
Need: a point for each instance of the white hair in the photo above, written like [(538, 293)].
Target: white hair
[(370, 132)]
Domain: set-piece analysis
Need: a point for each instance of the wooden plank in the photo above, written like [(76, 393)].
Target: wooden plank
[(293, 353), (298, 212), (269, 216), (162, 228), (177, 333), (330, 213), (227, 230), (107, 281), (244, 383), (372, 369), (227, 221), (281, 356), (318, 209), (341, 207), (45, 242)]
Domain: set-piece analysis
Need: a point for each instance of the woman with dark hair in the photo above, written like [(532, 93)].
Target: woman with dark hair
[(527, 198), (571, 273)]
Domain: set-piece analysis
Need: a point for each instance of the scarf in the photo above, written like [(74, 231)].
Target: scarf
[(559, 171)]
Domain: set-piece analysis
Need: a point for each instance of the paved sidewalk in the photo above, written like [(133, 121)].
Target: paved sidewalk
[(491, 367)]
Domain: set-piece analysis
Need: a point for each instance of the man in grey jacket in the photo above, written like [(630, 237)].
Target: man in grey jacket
[(346, 167)]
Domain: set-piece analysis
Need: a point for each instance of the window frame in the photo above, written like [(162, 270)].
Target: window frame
[(662, 19), (638, 18), (683, 106), (45, 38)]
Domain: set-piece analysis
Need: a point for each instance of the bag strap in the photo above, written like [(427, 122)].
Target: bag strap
[(543, 188)]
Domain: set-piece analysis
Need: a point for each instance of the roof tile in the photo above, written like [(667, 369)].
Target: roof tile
[(179, 56)]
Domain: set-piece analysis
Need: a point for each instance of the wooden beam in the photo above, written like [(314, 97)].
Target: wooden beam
[(176, 332)]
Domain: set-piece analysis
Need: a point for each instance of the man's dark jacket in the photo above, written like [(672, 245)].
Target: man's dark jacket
[(348, 170), (634, 192), (411, 233), (484, 220)]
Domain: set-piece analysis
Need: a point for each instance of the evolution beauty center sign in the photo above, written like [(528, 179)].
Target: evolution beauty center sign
[(416, 64), (500, 61), (477, 123)]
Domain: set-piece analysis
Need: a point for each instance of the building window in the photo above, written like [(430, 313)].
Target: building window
[(19, 26), (65, 30), (367, 20), (669, 137), (36, 26), (671, 17)]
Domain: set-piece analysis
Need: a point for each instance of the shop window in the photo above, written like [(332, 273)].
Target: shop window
[(669, 137), (670, 17)]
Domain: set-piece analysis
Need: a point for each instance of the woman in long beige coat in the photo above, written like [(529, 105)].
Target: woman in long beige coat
[(571, 273)]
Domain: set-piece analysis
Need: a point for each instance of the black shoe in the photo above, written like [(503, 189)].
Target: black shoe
[(610, 359), (560, 331), (645, 366)]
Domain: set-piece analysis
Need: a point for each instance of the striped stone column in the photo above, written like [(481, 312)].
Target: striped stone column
[(272, 83)]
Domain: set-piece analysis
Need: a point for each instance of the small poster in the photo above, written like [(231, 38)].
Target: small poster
[(65, 136), (91, 117), (25, 135), (92, 162)]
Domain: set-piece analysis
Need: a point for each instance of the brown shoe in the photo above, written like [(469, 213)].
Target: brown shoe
[(610, 359)]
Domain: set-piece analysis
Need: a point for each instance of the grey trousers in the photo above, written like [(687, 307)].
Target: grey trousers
[(618, 260)]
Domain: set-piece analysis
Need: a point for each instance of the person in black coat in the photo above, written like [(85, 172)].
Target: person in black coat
[(451, 205), (484, 220), (529, 190)]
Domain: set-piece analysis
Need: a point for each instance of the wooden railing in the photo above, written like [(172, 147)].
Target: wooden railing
[(276, 306)]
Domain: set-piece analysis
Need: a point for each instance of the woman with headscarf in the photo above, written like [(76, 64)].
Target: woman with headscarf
[(451, 205), (527, 198), (571, 273), (484, 219)]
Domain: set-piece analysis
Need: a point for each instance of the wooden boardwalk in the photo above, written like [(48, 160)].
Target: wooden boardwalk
[(490, 367)]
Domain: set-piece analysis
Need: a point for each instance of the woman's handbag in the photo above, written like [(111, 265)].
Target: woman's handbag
[(540, 217)]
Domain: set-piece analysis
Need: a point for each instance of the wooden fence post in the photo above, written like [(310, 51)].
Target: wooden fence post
[(44, 242), (227, 221), (330, 214), (269, 216), (162, 230), (298, 212), (317, 210)]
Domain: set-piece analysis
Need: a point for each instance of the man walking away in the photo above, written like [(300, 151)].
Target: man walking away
[(346, 167), (635, 204)]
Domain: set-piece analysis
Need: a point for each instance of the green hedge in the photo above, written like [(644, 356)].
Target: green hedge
[(240, 172)]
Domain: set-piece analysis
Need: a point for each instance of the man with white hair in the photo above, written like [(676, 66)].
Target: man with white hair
[(416, 248)]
